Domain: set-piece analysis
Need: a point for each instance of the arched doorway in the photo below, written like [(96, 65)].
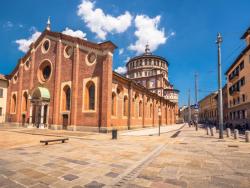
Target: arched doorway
[(39, 109)]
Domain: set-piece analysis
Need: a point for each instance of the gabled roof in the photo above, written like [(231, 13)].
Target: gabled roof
[(245, 34), (107, 45)]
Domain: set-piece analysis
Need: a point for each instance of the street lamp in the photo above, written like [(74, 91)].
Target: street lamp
[(159, 115), (220, 107)]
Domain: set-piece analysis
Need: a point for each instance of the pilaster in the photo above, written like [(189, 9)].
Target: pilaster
[(19, 95), (106, 91), (75, 86), (56, 99)]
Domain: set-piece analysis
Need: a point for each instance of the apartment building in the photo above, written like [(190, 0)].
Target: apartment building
[(238, 86)]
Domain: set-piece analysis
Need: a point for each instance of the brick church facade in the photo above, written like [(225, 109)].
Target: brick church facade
[(64, 82)]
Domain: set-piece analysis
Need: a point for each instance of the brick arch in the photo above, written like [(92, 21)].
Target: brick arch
[(90, 99), (24, 101), (13, 103), (66, 98), (113, 104)]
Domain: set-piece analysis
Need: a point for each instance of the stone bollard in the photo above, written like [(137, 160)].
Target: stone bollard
[(236, 134), (228, 132), (247, 134), (207, 130), (212, 131)]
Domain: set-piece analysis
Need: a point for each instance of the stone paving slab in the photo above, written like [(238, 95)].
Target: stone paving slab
[(191, 159)]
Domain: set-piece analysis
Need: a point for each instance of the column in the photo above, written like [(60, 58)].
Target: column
[(47, 119), (41, 125), (30, 116)]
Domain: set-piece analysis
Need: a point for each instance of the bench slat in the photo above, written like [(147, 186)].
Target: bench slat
[(54, 140)]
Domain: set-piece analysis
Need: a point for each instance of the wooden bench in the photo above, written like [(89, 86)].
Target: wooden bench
[(54, 140)]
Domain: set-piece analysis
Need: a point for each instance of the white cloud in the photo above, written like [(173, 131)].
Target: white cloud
[(147, 31), (99, 22), (23, 44), (77, 33), (8, 24), (121, 70), (127, 59), (121, 51)]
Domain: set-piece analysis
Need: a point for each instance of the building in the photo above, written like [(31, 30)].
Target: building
[(208, 109), (238, 86), (184, 113), (64, 82), (151, 71), (3, 97), (225, 103)]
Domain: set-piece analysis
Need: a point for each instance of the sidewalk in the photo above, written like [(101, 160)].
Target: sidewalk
[(152, 131)]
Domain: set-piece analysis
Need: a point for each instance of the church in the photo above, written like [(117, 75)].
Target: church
[(64, 82)]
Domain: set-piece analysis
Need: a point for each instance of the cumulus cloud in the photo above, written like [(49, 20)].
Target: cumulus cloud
[(121, 51), (77, 33), (148, 31), (121, 70), (23, 44), (99, 22)]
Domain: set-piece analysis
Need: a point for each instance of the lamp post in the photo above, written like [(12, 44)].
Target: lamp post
[(220, 107), (159, 115)]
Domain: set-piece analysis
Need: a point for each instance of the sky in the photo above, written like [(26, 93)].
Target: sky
[(183, 31)]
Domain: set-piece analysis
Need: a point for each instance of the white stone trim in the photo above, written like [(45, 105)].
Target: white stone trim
[(63, 84), (95, 80)]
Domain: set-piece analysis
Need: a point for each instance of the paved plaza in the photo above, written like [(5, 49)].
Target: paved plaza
[(178, 158)]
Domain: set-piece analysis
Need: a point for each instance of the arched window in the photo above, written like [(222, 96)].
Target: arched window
[(150, 110), (140, 109), (133, 107), (13, 104), (24, 102), (90, 96), (125, 106), (66, 98), (113, 108)]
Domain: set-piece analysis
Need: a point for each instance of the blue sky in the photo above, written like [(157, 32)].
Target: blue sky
[(189, 29)]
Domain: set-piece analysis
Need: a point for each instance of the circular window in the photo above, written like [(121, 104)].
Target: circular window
[(27, 64), (45, 46), (15, 78), (44, 72), (68, 51), (91, 57)]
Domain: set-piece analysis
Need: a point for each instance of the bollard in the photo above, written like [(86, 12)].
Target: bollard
[(114, 134), (247, 133), (236, 134), (228, 132), (212, 131), (207, 130)]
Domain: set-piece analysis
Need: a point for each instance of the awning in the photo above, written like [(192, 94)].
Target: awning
[(40, 93)]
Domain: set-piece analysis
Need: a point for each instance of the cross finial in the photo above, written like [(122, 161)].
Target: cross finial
[(48, 24), (147, 50)]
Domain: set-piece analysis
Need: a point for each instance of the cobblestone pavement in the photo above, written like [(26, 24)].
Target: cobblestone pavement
[(183, 159)]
